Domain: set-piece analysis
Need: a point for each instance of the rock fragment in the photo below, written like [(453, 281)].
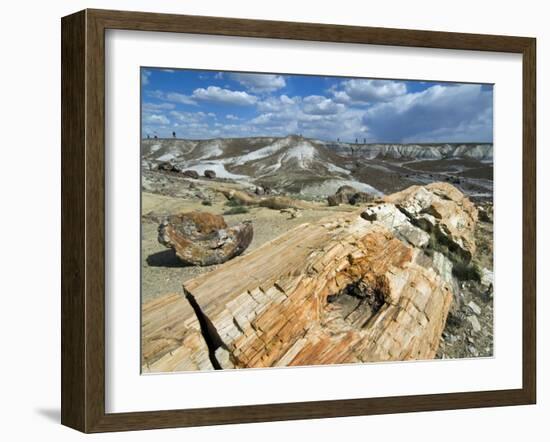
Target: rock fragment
[(474, 307), (391, 217), (191, 174), (476, 326), (168, 167), (292, 212), (487, 280), (204, 239), (349, 195), (442, 210)]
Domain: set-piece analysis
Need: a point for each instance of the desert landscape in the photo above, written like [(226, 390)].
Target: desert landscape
[(292, 251)]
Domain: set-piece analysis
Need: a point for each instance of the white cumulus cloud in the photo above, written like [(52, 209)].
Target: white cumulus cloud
[(357, 91), (159, 106), (259, 83), (219, 95), (318, 105), (179, 98), (155, 119)]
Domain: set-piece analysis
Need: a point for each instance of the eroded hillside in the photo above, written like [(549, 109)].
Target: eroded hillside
[(314, 168)]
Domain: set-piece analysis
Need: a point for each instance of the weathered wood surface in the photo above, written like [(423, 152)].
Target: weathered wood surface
[(171, 336), (271, 307), (353, 288), (442, 209)]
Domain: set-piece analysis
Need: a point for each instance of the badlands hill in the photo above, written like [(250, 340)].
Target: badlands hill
[(309, 167), (475, 151)]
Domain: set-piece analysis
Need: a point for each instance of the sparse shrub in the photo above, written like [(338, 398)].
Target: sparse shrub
[(206, 202), (434, 245), (463, 269), (232, 203), (466, 271), (236, 210)]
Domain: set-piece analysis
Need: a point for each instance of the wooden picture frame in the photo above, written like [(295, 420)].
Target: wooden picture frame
[(83, 220)]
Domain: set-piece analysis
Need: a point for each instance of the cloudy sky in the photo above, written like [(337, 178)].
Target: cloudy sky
[(206, 104)]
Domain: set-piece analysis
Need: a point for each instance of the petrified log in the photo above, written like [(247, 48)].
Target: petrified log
[(346, 289), (204, 239), (269, 202), (284, 202), (239, 197), (284, 307), (171, 336)]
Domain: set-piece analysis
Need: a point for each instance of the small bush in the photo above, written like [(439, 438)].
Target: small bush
[(232, 203), (464, 271), (434, 245), (236, 210), (206, 202)]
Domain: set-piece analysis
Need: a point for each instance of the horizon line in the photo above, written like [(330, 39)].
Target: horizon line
[(315, 139)]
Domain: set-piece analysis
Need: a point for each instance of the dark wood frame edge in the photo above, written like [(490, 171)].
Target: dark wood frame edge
[(83, 215)]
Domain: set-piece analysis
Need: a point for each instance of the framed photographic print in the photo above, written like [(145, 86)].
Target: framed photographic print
[(252, 210)]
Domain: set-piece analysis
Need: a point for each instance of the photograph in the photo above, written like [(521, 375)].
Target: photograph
[(295, 220)]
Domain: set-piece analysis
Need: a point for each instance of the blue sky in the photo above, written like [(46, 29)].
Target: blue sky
[(207, 104)]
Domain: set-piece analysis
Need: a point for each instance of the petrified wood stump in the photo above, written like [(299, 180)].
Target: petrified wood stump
[(204, 239)]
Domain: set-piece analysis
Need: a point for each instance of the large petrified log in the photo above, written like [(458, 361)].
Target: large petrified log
[(284, 307), (203, 239), (171, 336), (354, 288)]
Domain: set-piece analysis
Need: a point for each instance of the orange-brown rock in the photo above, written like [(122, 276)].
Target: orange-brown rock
[(202, 239)]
